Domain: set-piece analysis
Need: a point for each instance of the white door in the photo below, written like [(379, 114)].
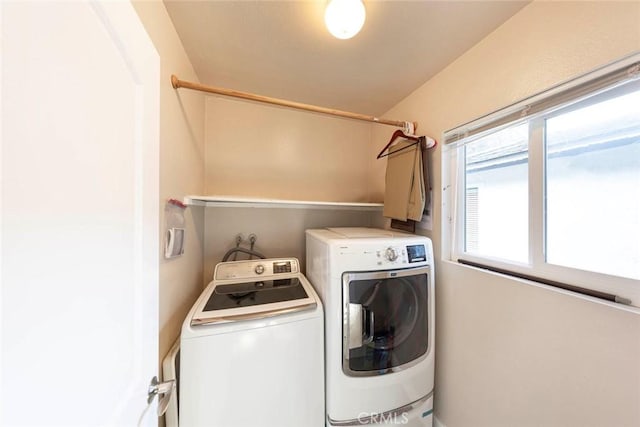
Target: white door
[(79, 214)]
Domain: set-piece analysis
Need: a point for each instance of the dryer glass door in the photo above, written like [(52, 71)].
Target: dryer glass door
[(385, 320)]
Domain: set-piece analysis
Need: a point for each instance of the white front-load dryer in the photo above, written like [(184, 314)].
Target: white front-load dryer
[(252, 350), (377, 287)]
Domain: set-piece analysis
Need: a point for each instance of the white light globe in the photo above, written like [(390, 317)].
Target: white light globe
[(344, 18)]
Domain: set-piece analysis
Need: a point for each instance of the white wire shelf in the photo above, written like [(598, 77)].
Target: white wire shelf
[(253, 202)]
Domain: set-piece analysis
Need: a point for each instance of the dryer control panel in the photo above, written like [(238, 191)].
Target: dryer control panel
[(403, 254), (385, 255), (364, 249)]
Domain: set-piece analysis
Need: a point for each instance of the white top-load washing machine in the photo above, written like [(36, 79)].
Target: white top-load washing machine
[(252, 349), (377, 287)]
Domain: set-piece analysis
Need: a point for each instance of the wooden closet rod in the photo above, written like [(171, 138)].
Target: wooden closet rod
[(177, 83)]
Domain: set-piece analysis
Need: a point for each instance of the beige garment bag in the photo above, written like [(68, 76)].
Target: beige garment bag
[(404, 184), (417, 198)]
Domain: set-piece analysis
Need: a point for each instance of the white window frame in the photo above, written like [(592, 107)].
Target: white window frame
[(550, 103)]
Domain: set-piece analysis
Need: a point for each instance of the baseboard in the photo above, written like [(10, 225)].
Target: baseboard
[(437, 422)]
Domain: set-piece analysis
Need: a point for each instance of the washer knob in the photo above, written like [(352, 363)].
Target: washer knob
[(259, 269), (391, 254)]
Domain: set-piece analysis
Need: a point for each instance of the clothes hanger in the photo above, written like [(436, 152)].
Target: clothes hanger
[(398, 134)]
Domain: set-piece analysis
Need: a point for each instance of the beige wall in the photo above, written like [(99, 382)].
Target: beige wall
[(266, 151), (280, 231), (509, 353), (181, 170), (274, 152)]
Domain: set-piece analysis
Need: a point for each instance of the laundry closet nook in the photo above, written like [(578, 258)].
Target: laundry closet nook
[(499, 345), (107, 151)]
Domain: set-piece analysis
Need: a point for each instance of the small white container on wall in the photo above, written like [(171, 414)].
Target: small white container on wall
[(175, 229), (174, 243)]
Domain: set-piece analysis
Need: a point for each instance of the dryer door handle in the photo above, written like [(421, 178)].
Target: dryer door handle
[(360, 333), (369, 332), (356, 312)]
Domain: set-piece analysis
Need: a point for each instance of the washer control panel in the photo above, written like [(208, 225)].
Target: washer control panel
[(256, 268)]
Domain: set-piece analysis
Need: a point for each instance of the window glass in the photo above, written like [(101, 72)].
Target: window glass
[(593, 187), (548, 189), (496, 195)]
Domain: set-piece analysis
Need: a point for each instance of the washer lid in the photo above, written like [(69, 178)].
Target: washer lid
[(248, 294), (256, 299)]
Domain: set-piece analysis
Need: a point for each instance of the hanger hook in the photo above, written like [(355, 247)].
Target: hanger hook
[(408, 128)]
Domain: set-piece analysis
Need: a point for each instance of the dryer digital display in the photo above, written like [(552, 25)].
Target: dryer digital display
[(416, 253)]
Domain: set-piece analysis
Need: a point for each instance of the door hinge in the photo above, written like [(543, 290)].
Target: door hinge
[(165, 389)]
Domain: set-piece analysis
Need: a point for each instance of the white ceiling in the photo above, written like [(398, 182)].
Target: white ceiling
[(282, 49)]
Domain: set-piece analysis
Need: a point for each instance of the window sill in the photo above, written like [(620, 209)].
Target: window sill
[(623, 307)]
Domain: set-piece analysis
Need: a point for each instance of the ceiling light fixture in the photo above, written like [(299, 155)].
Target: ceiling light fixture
[(344, 18)]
